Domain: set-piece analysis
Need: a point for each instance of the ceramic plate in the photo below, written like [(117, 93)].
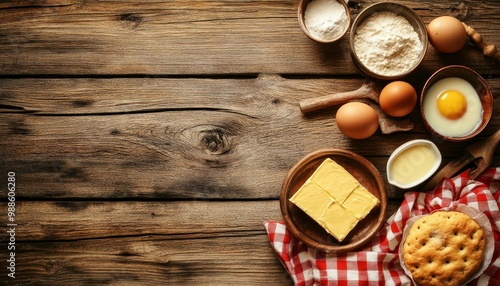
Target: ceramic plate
[(311, 233)]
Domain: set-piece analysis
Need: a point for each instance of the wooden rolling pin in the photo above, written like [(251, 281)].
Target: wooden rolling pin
[(369, 90), (489, 50)]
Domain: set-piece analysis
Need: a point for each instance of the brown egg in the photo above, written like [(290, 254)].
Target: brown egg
[(357, 120), (446, 34), (398, 98)]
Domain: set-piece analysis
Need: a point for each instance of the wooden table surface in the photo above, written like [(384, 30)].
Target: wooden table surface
[(149, 140)]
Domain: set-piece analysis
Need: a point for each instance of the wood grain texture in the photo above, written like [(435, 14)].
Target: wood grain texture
[(150, 138), (87, 220), (172, 243), (152, 260), (174, 138), (197, 37)]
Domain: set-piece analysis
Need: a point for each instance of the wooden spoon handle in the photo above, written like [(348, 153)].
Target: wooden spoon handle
[(489, 50), (317, 103), (449, 170), (388, 124), (484, 151), (480, 154), (367, 90)]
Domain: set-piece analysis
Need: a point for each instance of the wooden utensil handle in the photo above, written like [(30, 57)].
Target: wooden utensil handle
[(367, 90), (449, 170), (389, 124), (484, 152), (489, 50), (317, 103)]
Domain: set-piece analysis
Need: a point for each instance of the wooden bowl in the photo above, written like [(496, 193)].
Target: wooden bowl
[(311, 233), (479, 84), (301, 12), (401, 10)]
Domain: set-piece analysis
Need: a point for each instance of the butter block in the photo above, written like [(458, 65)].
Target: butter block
[(334, 199)]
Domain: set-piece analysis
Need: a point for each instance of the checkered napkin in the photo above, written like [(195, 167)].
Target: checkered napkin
[(378, 262)]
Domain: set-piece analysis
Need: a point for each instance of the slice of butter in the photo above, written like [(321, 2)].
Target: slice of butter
[(360, 202), (338, 221), (312, 200), (334, 199), (334, 180)]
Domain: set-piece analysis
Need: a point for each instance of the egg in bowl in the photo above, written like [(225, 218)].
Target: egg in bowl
[(452, 107)]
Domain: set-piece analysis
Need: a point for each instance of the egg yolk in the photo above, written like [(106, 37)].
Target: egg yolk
[(451, 104)]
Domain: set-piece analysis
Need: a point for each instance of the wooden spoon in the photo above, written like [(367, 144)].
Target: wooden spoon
[(368, 93), (388, 124), (480, 154), (369, 90)]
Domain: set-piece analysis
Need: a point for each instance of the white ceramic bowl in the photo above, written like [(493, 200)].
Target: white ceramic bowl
[(413, 164), (301, 12)]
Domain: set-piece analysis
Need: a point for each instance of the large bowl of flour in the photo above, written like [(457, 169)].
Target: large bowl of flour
[(388, 41)]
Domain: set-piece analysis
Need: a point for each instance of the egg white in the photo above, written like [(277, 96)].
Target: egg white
[(453, 127)]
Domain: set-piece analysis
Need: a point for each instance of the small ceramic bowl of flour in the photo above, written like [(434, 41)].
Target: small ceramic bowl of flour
[(324, 21), (388, 41)]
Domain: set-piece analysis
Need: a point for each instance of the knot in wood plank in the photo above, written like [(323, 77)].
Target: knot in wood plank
[(462, 11), (52, 266), (130, 20), (215, 141)]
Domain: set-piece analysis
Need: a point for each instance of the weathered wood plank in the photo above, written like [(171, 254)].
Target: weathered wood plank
[(162, 155), (85, 220), (187, 242), (255, 96), (244, 258), (221, 37)]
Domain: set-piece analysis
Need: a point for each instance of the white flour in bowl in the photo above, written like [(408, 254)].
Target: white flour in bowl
[(325, 19), (387, 44)]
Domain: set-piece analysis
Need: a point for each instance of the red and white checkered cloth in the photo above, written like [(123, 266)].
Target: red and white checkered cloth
[(378, 262)]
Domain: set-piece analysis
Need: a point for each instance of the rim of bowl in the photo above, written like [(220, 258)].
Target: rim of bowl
[(396, 8), (488, 97), (300, 15), (402, 148)]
